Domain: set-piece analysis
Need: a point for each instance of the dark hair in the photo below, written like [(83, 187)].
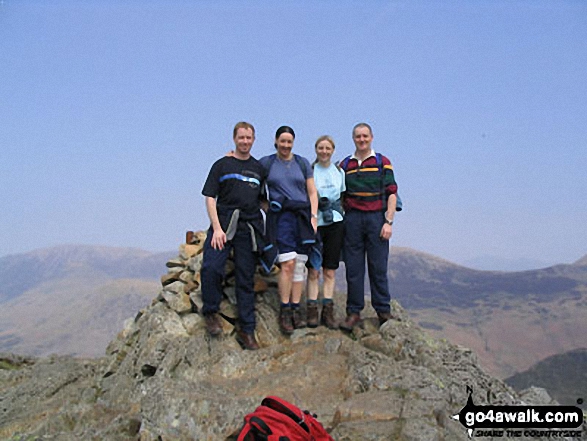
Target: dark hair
[(284, 129)]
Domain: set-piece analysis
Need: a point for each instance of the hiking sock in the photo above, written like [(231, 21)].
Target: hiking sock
[(285, 319), (326, 301), (298, 317), (312, 317)]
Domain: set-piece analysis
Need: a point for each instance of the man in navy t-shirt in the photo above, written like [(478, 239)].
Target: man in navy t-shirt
[(233, 193)]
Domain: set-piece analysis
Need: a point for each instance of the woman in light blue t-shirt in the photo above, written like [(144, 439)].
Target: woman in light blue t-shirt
[(330, 183)]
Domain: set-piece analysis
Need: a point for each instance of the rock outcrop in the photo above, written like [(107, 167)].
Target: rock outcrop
[(164, 378)]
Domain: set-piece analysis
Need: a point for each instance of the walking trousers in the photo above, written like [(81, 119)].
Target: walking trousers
[(362, 239), (213, 273)]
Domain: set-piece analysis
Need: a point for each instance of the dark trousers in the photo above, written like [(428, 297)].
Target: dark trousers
[(213, 273), (362, 229)]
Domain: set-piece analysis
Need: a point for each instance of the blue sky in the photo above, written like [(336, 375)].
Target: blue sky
[(111, 114)]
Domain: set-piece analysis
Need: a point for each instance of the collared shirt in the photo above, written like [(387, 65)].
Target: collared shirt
[(360, 161), (368, 184)]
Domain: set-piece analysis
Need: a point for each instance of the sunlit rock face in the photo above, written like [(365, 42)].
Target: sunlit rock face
[(164, 378)]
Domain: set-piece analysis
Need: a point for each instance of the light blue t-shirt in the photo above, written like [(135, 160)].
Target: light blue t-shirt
[(330, 184), (286, 179)]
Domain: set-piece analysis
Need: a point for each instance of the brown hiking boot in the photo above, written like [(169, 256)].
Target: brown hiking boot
[(350, 322), (312, 314), (247, 341), (327, 318), (299, 321), (385, 316), (213, 324), (285, 321)]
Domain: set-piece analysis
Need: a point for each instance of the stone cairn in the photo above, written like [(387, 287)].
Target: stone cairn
[(181, 286), (163, 378)]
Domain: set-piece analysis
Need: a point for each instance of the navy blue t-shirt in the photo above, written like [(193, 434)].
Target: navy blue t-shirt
[(235, 183)]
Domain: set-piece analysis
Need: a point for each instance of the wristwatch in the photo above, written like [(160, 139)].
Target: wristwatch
[(315, 216), (388, 222)]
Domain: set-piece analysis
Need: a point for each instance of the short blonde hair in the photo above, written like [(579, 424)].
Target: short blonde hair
[(242, 125)]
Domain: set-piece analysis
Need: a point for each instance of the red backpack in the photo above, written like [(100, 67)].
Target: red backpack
[(278, 420)]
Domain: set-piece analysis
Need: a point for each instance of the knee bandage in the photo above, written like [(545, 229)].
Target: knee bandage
[(299, 274)]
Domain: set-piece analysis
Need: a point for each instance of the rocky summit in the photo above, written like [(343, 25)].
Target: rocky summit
[(163, 378)]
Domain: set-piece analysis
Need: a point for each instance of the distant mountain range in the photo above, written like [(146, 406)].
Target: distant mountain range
[(420, 279), (21, 272), (495, 263), (74, 299), (511, 319), (563, 375)]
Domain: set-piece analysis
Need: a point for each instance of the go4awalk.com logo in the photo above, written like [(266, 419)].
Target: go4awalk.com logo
[(520, 421)]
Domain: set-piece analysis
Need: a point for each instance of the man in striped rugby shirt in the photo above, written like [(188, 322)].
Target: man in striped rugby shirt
[(370, 205)]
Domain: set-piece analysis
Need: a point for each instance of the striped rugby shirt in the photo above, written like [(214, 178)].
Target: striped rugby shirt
[(368, 185)]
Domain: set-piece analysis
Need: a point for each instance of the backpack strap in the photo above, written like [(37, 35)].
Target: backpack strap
[(260, 425), (302, 165), (272, 159), (398, 203), (344, 163), (298, 159), (280, 406), (379, 162), (254, 429)]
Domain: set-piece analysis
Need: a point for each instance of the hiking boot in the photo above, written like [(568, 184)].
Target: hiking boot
[(352, 320), (213, 324), (299, 321), (312, 315), (285, 321), (327, 318), (385, 316), (247, 341)]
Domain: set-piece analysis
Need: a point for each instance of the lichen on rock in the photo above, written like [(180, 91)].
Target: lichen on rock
[(164, 378)]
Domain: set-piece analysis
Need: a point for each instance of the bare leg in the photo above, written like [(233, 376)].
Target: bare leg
[(313, 276), (284, 282), (296, 291), (328, 283)]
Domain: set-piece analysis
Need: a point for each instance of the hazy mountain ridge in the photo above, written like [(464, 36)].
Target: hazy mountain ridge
[(497, 263), (72, 299), (71, 316), (563, 375), (80, 261), (62, 300), (510, 319), (418, 277), (581, 262), (162, 377)]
